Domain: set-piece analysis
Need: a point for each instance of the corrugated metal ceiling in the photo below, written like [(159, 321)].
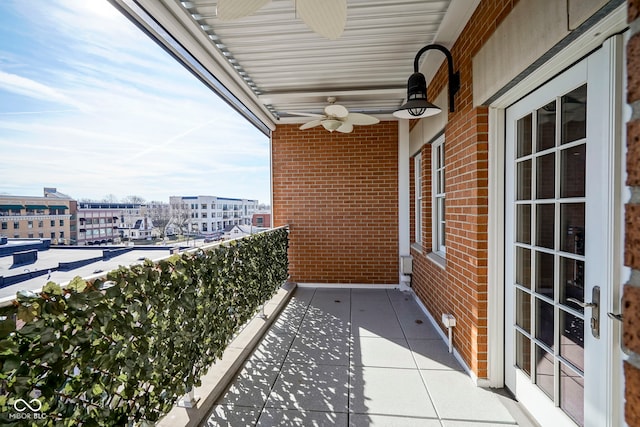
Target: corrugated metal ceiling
[(283, 66)]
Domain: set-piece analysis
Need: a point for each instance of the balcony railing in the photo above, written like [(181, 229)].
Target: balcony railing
[(123, 348)]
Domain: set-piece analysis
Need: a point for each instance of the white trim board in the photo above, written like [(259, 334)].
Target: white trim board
[(347, 286)]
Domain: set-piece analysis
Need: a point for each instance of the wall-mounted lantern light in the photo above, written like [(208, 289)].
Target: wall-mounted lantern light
[(417, 105)]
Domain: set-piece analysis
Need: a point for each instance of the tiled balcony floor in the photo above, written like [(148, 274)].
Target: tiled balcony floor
[(343, 357)]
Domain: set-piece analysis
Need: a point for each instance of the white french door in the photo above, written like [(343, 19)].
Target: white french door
[(559, 245)]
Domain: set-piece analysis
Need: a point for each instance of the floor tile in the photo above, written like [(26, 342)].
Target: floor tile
[(320, 350), (363, 420), (311, 388), (287, 418), (252, 385), (381, 352), (433, 354), (457, 398), (325, 324), (371, 323), (232, 416), (388, 391), (273, 348)]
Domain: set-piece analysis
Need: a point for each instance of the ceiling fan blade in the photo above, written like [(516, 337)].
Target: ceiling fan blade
[(327, 18), (227, 10), (361, 119), (311, 124), (345, 128), (336, 110), (294, 113)]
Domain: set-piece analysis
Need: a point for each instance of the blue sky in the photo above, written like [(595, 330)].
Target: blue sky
[(92, 106)]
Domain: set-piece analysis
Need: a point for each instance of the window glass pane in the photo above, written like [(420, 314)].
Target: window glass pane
[(574, 115), (544, 322), (545, 224), (546, 127), (573, 171), (523, 310), (572, 339), (572, 394), (544, 274), (523, 267), (572, 228), (546, 176), (523, 224), (571, 282), (544, 371), (524, 136), (523, 353), (523, 180)]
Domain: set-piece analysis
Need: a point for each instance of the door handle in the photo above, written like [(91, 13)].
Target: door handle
[(582, 304), (595, 310)]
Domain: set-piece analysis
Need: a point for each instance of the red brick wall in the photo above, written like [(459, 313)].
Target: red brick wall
[(461, 287), (631, 296), (339, 194)]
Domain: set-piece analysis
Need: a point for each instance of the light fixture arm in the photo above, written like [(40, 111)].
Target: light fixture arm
[(454, 78)]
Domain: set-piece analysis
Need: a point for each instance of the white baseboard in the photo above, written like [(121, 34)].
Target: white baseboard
[(347, 285)]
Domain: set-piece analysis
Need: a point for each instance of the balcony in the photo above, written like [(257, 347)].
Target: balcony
[(124, 348), (355, 357)]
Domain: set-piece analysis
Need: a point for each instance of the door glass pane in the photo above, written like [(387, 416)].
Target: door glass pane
[(544, 323), (523, 221), (572, 394), (545, 225), (546, 176), (572, 228), (523, 310), (544, 371), (524, 136), (544, 274), (572, 172), (524, 180), (523, 353), (572, 339), (571, 282), (574, 115), (523, 267), (546, 127)]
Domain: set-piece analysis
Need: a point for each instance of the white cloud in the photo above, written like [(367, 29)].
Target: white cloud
[(104, 110)]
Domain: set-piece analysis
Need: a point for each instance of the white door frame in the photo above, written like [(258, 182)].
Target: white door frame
[(590, 40)]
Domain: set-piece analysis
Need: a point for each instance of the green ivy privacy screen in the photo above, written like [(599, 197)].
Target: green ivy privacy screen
[(122, 350)]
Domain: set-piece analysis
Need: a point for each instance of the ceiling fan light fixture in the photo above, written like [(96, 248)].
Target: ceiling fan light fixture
[(331, 124)]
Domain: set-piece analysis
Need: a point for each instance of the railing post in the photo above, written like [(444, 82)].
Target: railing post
[(190, 400)]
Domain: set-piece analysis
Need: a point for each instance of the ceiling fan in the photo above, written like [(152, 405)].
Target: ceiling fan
[(337, 117), (327, 17)]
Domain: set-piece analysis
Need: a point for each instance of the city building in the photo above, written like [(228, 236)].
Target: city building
[(97, 223), (33, 217), (207, 214), (261, 219)]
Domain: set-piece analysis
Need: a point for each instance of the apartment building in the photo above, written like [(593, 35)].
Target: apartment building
[(32, 217), (98, 223), (206, 214)]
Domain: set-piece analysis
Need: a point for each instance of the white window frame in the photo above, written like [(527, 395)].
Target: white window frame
[(417, 173), (438, 205)]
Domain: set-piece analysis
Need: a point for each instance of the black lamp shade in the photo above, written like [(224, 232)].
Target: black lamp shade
[(417, 105)]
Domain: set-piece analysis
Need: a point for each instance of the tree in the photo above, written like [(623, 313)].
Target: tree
[(110, 198), (138, 200)]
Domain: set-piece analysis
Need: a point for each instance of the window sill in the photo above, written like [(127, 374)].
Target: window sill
[(417, 247), (438, 260)]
